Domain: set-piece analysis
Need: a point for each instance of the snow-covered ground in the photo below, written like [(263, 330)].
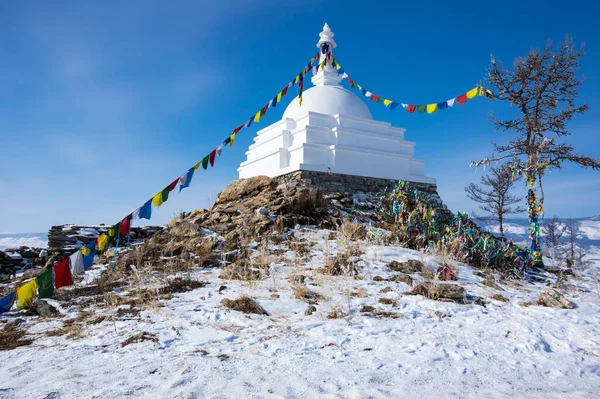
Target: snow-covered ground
[(14, 240), (431, 350)]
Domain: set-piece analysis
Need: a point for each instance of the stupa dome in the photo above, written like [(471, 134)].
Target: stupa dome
[(328, 100)]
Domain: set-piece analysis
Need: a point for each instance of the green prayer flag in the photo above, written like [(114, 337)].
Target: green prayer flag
[(165, 194), (205, 162), (421, 108), (45, 284)]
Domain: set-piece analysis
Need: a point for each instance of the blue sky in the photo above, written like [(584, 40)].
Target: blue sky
[(103, 104)]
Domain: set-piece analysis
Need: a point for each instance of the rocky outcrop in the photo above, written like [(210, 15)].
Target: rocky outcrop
[(552, 298)]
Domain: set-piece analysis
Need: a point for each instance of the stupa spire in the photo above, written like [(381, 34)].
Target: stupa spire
[(328, 75)]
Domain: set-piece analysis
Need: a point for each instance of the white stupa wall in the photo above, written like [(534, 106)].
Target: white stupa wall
[(332, 131)]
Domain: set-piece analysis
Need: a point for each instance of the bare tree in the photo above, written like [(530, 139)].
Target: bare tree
[(494, 195), (543, 87), (553, 231), (576, 256)]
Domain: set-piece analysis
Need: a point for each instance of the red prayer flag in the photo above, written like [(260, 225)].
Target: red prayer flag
[(300, 84), (211, 157), (237, 129), (62, 274), (462, 99), (374, 97), (285, 90), (411, 108), (125, 225), (172, 186)]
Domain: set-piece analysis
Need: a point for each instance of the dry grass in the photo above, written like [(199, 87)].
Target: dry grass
[(302, 293), (139, 337), (12, 337), (388, 301), (378, 313), (499, 297), (351, 231), (244, 304), (336, 313)]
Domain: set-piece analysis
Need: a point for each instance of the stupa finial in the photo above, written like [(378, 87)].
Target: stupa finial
[(326, 74), (326, 37)]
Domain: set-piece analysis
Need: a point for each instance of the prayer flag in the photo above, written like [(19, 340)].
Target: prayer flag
[(172, 186), (473, 93), (103, 239), (374, 97), (186, 179), (7, 302), (88, 259), (25, 294), (157, 200), (274, 102), (264, 109), (411, 108), (195, 167), (45, 283), (165, 195), (442, 105), (62, 274), (393, 105), (387, 102), (367, 93), (205, 161), (285, 90), (257, 116), (146, 210), (451, 102), (421, 108), (227, 140), (112, 231), (76, 263), (431, 108), (211, 157), (352, 84), (231, 139), (125, 225), (247, 124), (461, 99), (219, 149), (279, 96)]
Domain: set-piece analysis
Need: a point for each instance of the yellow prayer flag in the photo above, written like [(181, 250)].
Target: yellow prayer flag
[(387, 102), (359, 86), (297, 79), (279, 96), (25, 295), (85, 251), (112, 232), (102, 240), (472, 93), (195, 167), (157, 200), (256, 117), (337, 66), (431, 108), (231, 139)]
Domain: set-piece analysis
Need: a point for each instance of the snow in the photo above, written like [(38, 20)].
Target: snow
[(433, 349)]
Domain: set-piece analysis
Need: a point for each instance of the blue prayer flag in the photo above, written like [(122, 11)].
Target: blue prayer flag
[(186, 179), (146, 210), (88, 260), (6, 302), (442, 105), (393, 105)]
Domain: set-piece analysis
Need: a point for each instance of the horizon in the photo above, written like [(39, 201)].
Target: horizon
[(102, 109)]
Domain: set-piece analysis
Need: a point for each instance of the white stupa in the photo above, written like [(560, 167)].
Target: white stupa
[(333, 131)]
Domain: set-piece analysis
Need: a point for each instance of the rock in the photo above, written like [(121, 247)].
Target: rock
[(499, 297), (378, 278), (245, 305), (367, 309), (297, 279), (386, 290), (262, 211), (242, 188), (43, 309), (439, 290), (552, 298), (402, 278), (388, 301), (489, 282), (408, 267), (311, 309)]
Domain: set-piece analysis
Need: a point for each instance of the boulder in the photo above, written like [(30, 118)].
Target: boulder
[(552, 298), (43, 309), (242, 188), (408, 267)]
